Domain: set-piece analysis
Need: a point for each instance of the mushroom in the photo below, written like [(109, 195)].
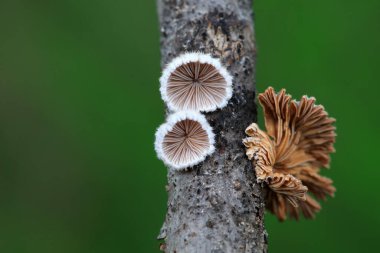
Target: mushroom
[(195, 81), (184, 140), (261, 149), (299, 139)]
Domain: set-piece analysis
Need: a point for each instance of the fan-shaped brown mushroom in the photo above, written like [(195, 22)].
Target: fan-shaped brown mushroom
[(298, 142)]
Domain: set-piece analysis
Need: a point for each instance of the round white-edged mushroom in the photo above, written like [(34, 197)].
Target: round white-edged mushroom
[(195, 81), (184, 140)]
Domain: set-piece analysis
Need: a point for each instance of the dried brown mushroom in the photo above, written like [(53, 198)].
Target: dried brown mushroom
[(260, 148), (299, 139)]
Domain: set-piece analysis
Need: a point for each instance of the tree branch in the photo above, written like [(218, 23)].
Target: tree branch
[(216, 206)]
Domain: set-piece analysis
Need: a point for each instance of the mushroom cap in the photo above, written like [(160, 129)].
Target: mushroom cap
[(184, 140), (195, 81)]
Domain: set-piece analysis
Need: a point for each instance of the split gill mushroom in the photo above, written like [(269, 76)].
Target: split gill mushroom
[(195, 81), (184, 140)]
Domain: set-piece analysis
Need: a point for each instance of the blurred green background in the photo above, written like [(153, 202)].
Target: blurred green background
[(79, 105)]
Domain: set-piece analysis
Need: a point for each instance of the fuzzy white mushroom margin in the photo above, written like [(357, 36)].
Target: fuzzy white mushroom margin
[(186, 58), (168, 126)]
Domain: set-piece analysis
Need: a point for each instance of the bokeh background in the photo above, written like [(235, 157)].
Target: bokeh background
[(79, 105)]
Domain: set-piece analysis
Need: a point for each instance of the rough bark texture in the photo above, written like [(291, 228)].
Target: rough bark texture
[(216, 206)]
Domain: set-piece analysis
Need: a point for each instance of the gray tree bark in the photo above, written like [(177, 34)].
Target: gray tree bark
[(216, 206)]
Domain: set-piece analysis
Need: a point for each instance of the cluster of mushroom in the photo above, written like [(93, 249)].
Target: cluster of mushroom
[(299, 139), (190, 84), (288, 157)]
